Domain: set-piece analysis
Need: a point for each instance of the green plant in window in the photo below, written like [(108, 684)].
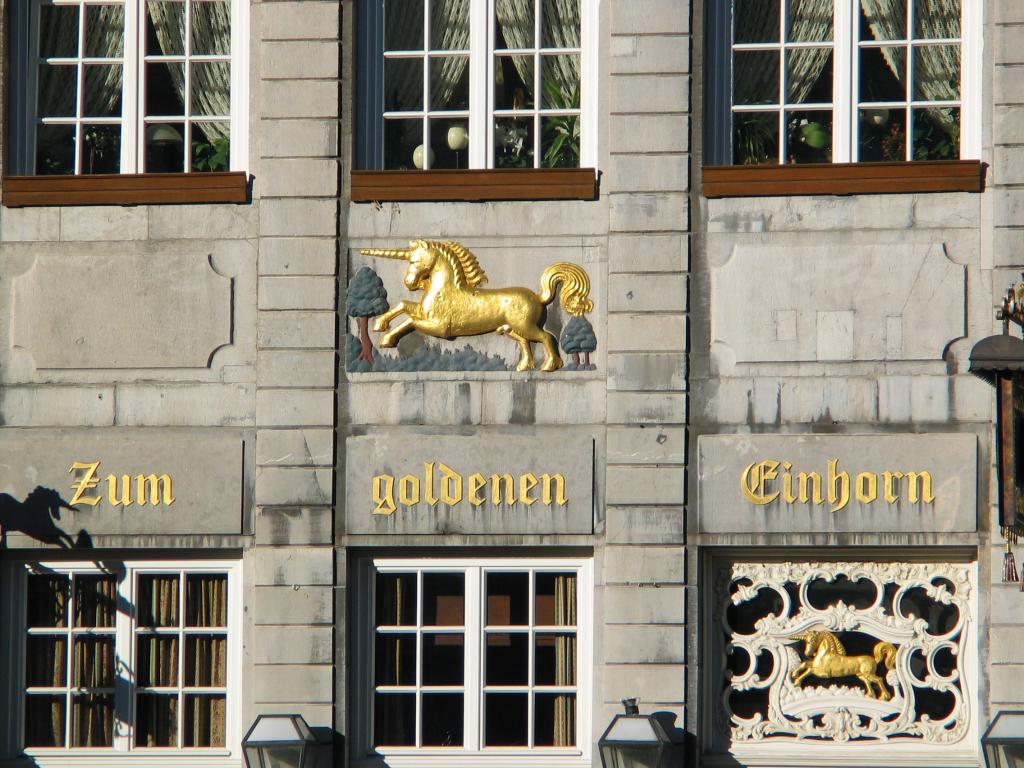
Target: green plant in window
[(754, 139), (212, 156), (515, 150), (561, 134), (936, 136)]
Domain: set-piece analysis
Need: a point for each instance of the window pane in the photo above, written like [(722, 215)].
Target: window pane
[(505, 719), (883, 74), (46, 661), (560, 141), (156, 662), (92, 720), (102, 149), (395, 659), (403, 85), (394, 719), (755, 76), (211, 27), (156, 720), (444, 599), (165, 86), (206, 600), (555, 660), (48, 595), (205, 717), (206, 660), (755, 138), (883, 20), (449, 25), (449, 82), (808, 21), (515, 24), (756, 21), (94, 662), (158, 595), (57, 87), (396, 596), (883, 134), (442, 727), (403, 25), (58, 31), (937, 72), (508, 599), (936, 18), (560, 82), (937, 133), (401, 140), (211, 88), (44, 721), (809, 76), (809, 137), (165, 28), (165, 152), (448, 143), (513, 82), (556, 599), (104, 31), (211, 146), (443, 656), (507, 659), (513, 144), (554, 720), (560, 24)]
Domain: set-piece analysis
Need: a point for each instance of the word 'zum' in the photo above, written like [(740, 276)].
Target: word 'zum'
[(149, 489)]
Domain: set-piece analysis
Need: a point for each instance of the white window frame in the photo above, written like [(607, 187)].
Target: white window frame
[(14, 619), (481, 112), (24, 45), (500, 757), (846, 80)]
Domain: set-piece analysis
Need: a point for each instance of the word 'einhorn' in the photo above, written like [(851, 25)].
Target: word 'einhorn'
[(451, 488), (756, 483), (149, 489)]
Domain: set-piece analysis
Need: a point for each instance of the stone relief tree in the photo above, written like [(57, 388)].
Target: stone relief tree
[(366, 298), (578, 337)]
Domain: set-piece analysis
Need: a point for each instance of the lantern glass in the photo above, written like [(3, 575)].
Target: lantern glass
[(277, 741), (1003, 742), (631, 755)]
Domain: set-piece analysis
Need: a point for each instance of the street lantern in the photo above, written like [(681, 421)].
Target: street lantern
[(279, 741), (633, 740), (1003, 742)]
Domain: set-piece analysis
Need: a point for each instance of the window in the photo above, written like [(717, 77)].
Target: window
[(126, 86), (448, 84), (822, 81), (471, 657), (127, 657)]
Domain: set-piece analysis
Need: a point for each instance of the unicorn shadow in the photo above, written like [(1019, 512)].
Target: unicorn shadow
[(34, 517)]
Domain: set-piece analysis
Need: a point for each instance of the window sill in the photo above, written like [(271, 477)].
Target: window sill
[(475, 186), (843, 178), (126, 189)]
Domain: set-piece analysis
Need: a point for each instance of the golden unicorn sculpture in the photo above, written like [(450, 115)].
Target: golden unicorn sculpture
[(453, 305), (826, 657)]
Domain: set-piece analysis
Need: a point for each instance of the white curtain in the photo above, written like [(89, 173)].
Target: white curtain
[(452, 18), (59, 32), (560, 22)]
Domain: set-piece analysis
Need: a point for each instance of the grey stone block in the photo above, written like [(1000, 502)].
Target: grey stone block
[(646, 408), (640, 94), (645, 485), (56, 406), (1008, 162), (287, 486), (206, 222), (299, 98), (307, 683), (645, 604), (1008, 124), (297, 256), (311, 330), (658, 17), (1006, 681), (198, 405), (649, 133), (648, 564), (288, 605), (660, 683), (648, 253), (290, 566), (644, 644), (294, 407), (29, 224), (295, 447), (297, 293), (645, 525), (650, 54), (294, 525), (302, 217), (299, 59), (298, 20), (293, 645), (646, 371), (647, 173), (647, 293), (646, 445), (298, 177), (647, 333), (281, 138), (650, 212), (296, 368), (103, 223)]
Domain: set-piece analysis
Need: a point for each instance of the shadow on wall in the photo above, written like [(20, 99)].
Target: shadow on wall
[(34, 517)]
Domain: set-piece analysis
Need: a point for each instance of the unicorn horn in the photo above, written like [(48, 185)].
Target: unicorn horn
[(402, 254)]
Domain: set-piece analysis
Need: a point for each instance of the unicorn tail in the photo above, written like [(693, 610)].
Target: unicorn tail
[(575, 287), (886, 651)]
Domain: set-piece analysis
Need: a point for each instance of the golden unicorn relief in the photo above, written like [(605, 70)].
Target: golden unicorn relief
[(453, 305), (826, 657)]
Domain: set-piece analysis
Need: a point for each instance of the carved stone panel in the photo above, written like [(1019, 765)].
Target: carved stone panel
[(853, 302), (103, 311)]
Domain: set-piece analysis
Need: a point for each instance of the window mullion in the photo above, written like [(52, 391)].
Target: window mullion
[(131, 97), (845, 82), (473, 628), (124, 659), (481, 84)]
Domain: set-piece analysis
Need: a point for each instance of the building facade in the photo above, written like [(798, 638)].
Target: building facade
[(283, 430)]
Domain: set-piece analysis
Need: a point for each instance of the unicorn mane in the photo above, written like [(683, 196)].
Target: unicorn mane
[(468, 272)]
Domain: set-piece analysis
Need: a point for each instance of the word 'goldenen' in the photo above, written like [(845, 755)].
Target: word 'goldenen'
[(149, 489), (451, 488), (756, 480)]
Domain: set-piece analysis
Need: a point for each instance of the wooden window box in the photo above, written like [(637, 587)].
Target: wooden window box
[(126, 189), (843, 178), (475, 186)]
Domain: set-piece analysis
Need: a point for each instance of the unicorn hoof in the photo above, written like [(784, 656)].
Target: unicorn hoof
[(380, 324), (388, 342), (552, 364), (525, 365)]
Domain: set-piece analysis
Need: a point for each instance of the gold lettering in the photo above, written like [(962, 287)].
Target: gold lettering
[(920, 487), (150, 487), (428, 484), (559, 497), (787, 483), (409, 490), (383, 494), (892, 490), (803, 478), (497, 481), (451, 484), (527, 483), (838, 486), (124, 498), (752, 482), (867, 487), (477, 482), (86, 483)]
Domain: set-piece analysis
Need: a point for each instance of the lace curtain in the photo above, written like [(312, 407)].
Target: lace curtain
[(451, 17), (565, 661), (58, 33), (561, 29)]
